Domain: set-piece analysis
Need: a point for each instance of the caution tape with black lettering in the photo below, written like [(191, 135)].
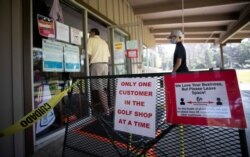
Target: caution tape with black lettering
[(36, 114)]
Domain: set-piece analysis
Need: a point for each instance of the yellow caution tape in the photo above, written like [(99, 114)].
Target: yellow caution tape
[(35, 115)]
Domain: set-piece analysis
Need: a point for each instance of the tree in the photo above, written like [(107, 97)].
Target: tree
[(237, 55)]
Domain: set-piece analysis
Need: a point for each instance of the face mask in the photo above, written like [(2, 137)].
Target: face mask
[(173, 41)]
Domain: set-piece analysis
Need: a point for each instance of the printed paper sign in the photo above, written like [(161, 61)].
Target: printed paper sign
[(72, 58), (132, 44), (75, 36), (135, 106), (52, 56), (62, 32), (46, 26), (132, 53), (204, 98), (43, 95), (119, 52), (132, 49), (119, 46)]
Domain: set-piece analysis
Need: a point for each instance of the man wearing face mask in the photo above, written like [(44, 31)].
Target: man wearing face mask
[(179, 61)]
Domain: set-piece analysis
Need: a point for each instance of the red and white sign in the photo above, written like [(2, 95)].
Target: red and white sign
[(46, 26), (132, 53), (135, 106), (204, 98)]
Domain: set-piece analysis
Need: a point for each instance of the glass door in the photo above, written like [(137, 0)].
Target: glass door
[(119, 54)]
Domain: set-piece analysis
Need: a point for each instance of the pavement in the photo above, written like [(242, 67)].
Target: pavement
[(53, 149)]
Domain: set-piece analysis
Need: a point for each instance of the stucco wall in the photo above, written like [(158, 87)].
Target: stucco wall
[(11, 79)]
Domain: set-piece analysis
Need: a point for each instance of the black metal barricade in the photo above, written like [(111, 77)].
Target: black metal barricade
[(91, 133)]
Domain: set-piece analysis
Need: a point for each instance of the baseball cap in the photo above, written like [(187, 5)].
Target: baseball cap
[(177, 33)]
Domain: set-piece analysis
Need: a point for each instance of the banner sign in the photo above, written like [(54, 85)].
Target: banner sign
[(135, 106), (204, 98)]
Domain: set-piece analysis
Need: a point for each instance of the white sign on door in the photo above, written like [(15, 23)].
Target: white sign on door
[(75, 36), (52, 56), (62, 32), (71, 58), (132, 44)]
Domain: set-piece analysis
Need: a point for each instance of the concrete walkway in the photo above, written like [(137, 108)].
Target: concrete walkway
[(53, 149)]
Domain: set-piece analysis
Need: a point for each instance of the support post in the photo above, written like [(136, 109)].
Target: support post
[(221, 55)]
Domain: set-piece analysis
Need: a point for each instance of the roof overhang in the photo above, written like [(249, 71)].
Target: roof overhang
[(213, 21)]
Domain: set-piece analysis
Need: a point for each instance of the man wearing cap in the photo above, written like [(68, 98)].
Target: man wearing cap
[(99, 54), (179, 60)]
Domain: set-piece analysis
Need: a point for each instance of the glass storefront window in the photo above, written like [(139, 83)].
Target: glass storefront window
[(55, 64)]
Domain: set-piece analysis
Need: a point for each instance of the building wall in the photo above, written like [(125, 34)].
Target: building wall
[(120, 12), (11, 79)]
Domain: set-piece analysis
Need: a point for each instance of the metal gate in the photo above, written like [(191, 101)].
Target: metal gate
[(90, 133)]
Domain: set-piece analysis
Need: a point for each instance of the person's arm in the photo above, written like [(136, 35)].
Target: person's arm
[(177, 64)]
